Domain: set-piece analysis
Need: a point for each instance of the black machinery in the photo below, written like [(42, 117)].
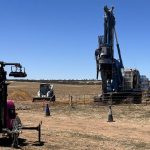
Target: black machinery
[(118, 83), (10, 123)]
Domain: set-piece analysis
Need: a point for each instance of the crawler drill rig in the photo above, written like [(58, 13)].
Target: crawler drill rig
[(118, 83)]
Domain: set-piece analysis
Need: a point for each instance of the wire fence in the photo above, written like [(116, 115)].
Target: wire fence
[(84, 99), (88, 98), (75, 98)]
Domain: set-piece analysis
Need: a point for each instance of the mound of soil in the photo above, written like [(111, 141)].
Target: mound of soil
[(19, 95)]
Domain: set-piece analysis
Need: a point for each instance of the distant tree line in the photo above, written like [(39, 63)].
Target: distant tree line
[(78, 82)]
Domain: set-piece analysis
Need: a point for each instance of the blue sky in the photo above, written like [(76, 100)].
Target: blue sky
[(56, 39)]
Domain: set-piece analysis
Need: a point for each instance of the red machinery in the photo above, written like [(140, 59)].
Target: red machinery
[(10, 123)]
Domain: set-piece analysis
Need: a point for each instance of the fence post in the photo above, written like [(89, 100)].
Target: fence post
[(43, 104), (71, 103), (76, 99), (69, 98)]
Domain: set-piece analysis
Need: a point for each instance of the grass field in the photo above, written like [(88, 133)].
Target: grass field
[(83, 126)]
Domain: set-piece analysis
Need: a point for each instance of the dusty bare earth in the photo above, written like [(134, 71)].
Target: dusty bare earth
[(81, 127)]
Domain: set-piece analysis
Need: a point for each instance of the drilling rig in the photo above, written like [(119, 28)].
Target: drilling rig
[(3, 89), (7, 108), (118, 83), (10, 123)]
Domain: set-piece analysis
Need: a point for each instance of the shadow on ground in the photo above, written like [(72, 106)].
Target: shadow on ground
[(38, 144), (7, 142)]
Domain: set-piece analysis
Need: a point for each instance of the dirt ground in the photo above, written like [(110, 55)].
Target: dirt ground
[(81, 127)]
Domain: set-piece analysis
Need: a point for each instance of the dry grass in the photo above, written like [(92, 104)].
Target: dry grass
[(83, 126)]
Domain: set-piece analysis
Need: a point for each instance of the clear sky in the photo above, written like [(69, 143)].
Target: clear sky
[(56, 39)]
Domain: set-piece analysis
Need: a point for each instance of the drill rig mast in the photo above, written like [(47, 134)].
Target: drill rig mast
[(112, 70)]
